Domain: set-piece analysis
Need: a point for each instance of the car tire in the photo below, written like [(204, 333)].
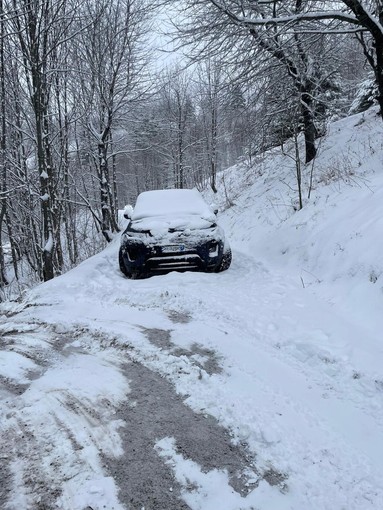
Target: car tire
[(225, 262), (122, 265)]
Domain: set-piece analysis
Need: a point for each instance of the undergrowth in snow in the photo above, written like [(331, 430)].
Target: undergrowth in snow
[(335, 241)]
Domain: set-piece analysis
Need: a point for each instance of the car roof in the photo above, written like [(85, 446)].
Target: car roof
[(170, 202)]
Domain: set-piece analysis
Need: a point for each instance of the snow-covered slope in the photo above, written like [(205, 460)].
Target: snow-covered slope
[(335, 243), (284, 349)]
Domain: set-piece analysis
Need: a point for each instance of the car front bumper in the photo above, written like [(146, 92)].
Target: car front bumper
[(144, 260)]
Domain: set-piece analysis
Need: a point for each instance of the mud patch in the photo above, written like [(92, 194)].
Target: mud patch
[(64, 346), (155, 411), (179, 317), (159, 337), (6, 479), (205, 359), (83, 408), (76, 446), (38, 357), (274, 478), (12, 308), (40, 491), (13, 387), (152, 411), (7, 329)]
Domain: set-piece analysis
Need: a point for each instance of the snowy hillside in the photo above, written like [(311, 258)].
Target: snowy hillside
[(259, 388), (333, 244)]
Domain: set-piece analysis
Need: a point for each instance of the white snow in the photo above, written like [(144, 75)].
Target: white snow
[(49, 244), (296, 323), (160, 210), (170, 202), (212, 490)]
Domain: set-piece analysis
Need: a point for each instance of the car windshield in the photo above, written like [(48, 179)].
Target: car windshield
[(171, 203)]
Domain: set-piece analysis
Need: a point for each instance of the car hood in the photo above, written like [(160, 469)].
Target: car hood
[(159, 226)]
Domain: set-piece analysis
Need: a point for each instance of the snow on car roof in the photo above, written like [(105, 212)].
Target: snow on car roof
[(171, 202)]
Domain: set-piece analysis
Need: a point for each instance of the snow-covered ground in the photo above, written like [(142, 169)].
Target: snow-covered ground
[(284, 350)]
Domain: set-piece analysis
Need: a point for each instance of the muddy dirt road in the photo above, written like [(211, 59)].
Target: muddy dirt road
[(58, 428)]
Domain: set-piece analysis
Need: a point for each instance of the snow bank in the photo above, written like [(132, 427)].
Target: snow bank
[(335, 242)]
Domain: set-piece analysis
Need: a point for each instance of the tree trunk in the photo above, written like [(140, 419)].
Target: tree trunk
[(379, 71), (113, 192), (15, 251), (104, 192), (3, 140), (3, 277), (214, 131), (45, 198), (180, 152), (298, 170), (310, 131)]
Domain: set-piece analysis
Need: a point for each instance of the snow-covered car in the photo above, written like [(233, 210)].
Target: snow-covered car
[(169, 230)]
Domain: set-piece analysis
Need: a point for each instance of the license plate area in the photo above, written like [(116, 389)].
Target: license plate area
[(173, 248)]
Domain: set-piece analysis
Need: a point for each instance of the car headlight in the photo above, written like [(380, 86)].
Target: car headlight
[(213, 249), (131, 236)]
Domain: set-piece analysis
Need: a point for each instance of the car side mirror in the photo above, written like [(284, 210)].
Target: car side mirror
[(128, 212)]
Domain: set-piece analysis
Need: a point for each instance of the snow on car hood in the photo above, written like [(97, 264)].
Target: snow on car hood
[(171, 203), (163, 211), (161, 225)]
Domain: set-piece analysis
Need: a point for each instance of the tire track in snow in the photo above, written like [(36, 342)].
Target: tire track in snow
[(52, 430), (68, 430), (154, 411)]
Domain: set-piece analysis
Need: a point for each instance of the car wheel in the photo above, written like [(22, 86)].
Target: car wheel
[(122, 265), (225, 262)]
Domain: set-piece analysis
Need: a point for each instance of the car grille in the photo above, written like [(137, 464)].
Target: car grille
[(185, 261)]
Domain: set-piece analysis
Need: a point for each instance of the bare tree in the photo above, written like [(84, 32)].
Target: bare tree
[(211, 82), (41, 27), (3, 147), (70, 76), (364, 19), (109, 58), (246, 35), (178, 113)]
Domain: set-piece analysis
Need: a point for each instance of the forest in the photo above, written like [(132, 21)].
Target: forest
[(103, 99)]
